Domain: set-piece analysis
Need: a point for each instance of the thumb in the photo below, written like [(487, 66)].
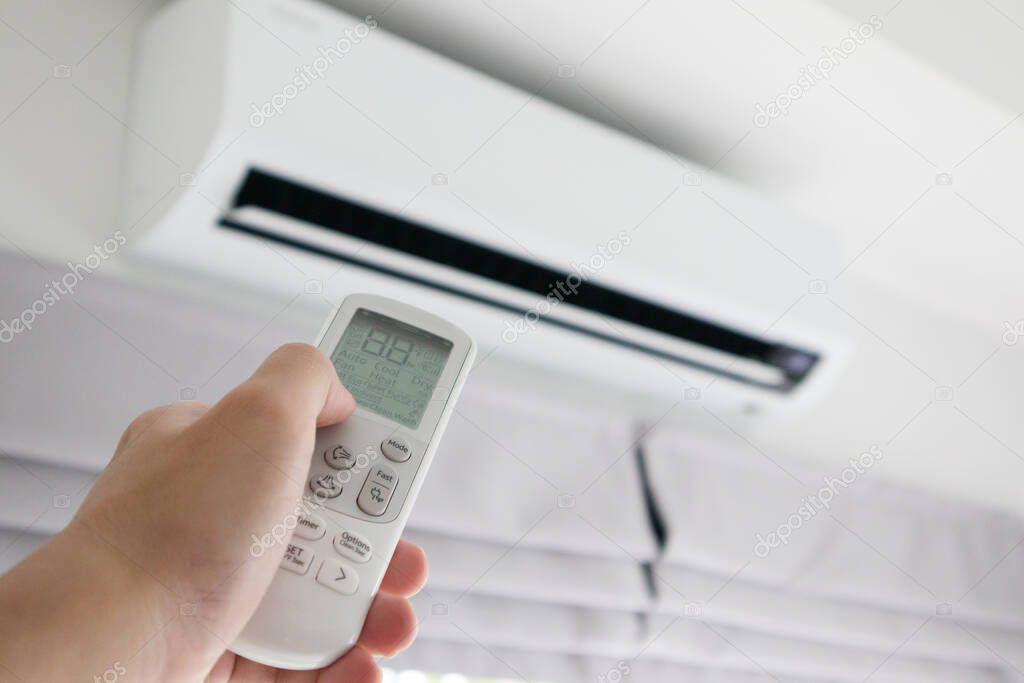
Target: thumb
[(305, 376), (295, 390)]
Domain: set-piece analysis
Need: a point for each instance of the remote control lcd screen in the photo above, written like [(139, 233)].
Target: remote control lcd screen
[(390, 367)]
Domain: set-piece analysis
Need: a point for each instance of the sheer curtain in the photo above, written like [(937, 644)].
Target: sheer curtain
[(884, 584)]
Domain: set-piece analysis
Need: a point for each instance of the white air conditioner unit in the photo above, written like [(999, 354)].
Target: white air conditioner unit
[(286, 147)]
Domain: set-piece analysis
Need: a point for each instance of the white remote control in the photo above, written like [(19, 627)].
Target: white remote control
[(405, 368)]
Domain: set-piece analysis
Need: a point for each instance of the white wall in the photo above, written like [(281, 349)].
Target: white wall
[(932, 271)]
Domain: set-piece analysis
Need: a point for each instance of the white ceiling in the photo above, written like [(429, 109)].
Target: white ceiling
[(929, 273)]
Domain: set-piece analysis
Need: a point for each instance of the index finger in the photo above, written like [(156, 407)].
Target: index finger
[(407, 571)]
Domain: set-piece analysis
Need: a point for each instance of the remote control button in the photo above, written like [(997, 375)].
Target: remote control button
[(310, 527), (374, 498), (396, 449), (340, 458), (338, 576), (353, 546), (297, 558), (383, 475), (325, 486)]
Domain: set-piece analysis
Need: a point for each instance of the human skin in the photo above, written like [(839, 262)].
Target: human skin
[(154, 576)]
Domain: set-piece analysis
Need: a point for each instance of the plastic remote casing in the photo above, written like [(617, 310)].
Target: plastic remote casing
[(332, 567)]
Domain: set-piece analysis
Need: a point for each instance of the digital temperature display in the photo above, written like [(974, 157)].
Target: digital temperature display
[(390, 367)]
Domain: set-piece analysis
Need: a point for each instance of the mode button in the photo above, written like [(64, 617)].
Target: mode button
[(396, 449)]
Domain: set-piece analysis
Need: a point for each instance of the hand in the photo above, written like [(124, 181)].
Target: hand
[(154, 578)]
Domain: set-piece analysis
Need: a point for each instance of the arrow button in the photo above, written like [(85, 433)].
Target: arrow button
[(338, 576)]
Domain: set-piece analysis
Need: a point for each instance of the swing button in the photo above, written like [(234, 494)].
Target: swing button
[(338, 576), (340, 458), (325, 486)]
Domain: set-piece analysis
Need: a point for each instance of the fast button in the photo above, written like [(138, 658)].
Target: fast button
[(377, 491), (374, 499), (383, 475)]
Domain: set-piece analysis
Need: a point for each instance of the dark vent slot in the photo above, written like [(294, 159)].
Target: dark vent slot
[(336, 214)]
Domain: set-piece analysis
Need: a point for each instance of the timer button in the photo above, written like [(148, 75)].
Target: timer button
[(325, 486), (310, 527), (396, 449), (339, 457)]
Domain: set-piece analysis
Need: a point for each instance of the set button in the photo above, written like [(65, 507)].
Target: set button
[(396, 449), (325, 486), (297, 558), (339, 457), (338, 576)]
